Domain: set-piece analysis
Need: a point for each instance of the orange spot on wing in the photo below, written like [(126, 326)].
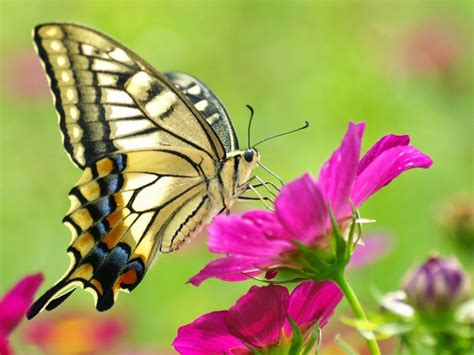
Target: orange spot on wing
[(114, 235), (116, 217), (104, 166), (128, 278), (119, 199)]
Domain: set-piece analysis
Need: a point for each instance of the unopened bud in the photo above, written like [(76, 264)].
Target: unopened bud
[(437, 285)]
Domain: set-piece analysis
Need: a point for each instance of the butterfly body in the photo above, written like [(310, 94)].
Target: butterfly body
[(159, 157)]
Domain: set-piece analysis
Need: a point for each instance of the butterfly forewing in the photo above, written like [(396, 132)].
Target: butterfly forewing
[(108, 99), (209, 106)]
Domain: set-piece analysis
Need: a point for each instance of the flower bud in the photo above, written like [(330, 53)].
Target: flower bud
[(439, 284), (456, 218)]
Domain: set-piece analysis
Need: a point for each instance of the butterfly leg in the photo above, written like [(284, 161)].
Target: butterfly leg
[(267, 185), (249, 198), (262, 198), (265, 200), (272, 173)]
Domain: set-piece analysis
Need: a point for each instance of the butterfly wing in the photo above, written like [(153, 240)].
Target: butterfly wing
[(209, 106), (108, 99), (147, 155), (124, 209)]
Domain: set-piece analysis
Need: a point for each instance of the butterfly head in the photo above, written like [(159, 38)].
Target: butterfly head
[(247, 160), (251, 156), (236, 171)]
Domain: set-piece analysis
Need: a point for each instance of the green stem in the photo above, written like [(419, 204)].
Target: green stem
[(351, 297)]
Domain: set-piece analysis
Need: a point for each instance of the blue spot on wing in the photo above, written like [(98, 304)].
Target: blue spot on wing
[(96, 256)]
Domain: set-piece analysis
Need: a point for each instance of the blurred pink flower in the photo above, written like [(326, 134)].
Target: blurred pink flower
[(260, 241), (23, 75), (374, 247), (13, 307), (432, 48), (259, 320), (76, 333)]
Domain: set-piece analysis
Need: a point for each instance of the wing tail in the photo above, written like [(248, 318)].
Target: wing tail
[(49, 300)]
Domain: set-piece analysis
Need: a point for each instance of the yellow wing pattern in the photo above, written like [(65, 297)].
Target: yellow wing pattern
[(124, 209)]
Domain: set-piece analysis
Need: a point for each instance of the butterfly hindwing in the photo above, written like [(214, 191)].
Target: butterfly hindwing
[(125, 209), (104, 94)]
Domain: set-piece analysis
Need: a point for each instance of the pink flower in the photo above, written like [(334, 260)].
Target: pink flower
[(25, 77), (259, 320), (13, 307), (261, 241), (432, 48), (373, 248)]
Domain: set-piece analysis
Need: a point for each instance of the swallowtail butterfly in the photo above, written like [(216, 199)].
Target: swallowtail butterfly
[(158, 153)]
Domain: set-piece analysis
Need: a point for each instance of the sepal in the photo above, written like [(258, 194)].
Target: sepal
[(297, 338), (314, 340)]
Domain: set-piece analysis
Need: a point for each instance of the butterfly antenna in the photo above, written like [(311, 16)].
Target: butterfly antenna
[(306, 125), (271, 173), (250, 122)]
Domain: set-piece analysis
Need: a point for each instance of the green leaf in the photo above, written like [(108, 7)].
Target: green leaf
[(297, 339), (314, 338), (388, 330), (365, 327)]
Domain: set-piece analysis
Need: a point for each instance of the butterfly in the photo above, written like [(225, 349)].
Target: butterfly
[(158, 153)]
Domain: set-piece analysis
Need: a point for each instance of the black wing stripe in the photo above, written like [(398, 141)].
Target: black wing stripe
[(57, 94), (190, 216)]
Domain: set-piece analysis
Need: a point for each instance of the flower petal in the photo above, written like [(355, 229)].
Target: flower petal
[(239, 235), (386, 167), (337, 175), (231, 268), (301, 209), (312, 302), (4, 346), (16, 301), (208, 334), (373, 248), (383, 144), (257, 318), (268, 222)]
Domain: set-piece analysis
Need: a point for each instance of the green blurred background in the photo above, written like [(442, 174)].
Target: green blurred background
[(404, 67)]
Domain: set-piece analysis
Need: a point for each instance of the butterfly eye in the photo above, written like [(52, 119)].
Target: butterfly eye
[(248, 155)]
